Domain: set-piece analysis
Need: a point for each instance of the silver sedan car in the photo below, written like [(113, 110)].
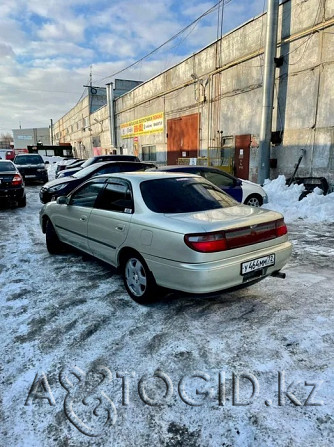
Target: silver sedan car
[(178, 231)]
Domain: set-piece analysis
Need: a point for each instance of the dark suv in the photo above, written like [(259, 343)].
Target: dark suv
[(11, 184), (31, 167)]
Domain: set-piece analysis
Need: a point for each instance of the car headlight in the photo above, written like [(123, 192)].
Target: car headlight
[(57, 187)]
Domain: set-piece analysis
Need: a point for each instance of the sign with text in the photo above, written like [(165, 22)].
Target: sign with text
[(142, 126)]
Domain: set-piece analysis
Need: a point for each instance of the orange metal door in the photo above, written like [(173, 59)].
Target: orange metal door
[(242, 153), (182, 136)]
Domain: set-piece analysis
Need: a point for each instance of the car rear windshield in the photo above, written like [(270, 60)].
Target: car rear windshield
[(183, 195), (7, 166), (29, 160)]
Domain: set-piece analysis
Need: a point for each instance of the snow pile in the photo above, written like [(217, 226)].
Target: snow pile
[(315, 207)]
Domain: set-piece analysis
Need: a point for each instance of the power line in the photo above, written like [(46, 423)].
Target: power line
[(209, 11)]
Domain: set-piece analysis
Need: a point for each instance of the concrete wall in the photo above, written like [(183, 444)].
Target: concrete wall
[(229, 93), (30, 137)]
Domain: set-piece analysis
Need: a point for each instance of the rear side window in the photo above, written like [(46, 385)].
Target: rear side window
[(116, 197), (218, 179), (6, 166), (125, 167), (183, 195), (108, 170)]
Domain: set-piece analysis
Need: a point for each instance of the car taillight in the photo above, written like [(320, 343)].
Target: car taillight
[(281, 228), (17, 180), (206, 242), (235, 238)]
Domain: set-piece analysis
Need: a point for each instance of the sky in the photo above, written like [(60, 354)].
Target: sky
[(48, 48)]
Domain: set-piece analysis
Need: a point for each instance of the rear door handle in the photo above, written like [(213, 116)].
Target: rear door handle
[(119, 228), (83, 218)]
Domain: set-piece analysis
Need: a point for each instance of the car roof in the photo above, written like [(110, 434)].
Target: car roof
[(139, 176), (118, 162), (27, 155), (111, 156), (194, 167)]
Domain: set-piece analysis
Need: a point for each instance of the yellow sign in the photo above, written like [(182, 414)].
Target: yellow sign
[(143, 126)]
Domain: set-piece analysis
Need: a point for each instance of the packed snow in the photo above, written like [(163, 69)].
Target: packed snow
[(315, 207)]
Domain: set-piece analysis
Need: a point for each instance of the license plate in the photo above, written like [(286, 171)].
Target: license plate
[(30, 176), (257, 264)]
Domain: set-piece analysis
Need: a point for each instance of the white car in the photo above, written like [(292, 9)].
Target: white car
[(178, 231)]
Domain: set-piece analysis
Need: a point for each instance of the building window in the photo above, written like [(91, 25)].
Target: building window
[(149, 153)]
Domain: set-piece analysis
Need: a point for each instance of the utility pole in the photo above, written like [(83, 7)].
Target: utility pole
[(268, 91), (111, 113), (51, 131)]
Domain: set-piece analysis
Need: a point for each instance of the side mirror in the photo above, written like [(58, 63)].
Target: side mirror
[(238, 182), (63, 200)]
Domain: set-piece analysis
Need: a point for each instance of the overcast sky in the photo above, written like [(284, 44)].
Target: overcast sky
[(48, 46)]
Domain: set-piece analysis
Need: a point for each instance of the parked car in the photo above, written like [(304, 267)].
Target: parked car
[(31, 167), (7, 154), (243, 191), (68, 163), (97, 159), (11, 184), (63, 186), (173, 230)]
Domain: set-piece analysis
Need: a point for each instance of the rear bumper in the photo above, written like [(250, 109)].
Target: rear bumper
[(214, 276), (11, 194), (31, 175)]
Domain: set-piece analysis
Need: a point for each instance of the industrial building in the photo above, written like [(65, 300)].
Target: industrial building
[(31, 137), (207, 109)]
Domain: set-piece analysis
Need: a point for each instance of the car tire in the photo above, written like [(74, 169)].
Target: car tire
[(53, 244), (138, 279), (22, 202), (254, 200)]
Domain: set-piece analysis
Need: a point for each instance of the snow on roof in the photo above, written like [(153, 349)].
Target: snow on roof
[(315, 207)]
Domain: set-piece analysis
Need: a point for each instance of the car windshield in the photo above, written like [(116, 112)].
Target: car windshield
[(87, 162), (6, 166), (84, 172), (29, 160), (183, 195)]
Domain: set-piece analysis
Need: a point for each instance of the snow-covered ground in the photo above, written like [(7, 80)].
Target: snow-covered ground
[(64, 312)]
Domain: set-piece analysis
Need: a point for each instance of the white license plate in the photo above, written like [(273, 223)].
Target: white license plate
[(30, 176), (257, 264)]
